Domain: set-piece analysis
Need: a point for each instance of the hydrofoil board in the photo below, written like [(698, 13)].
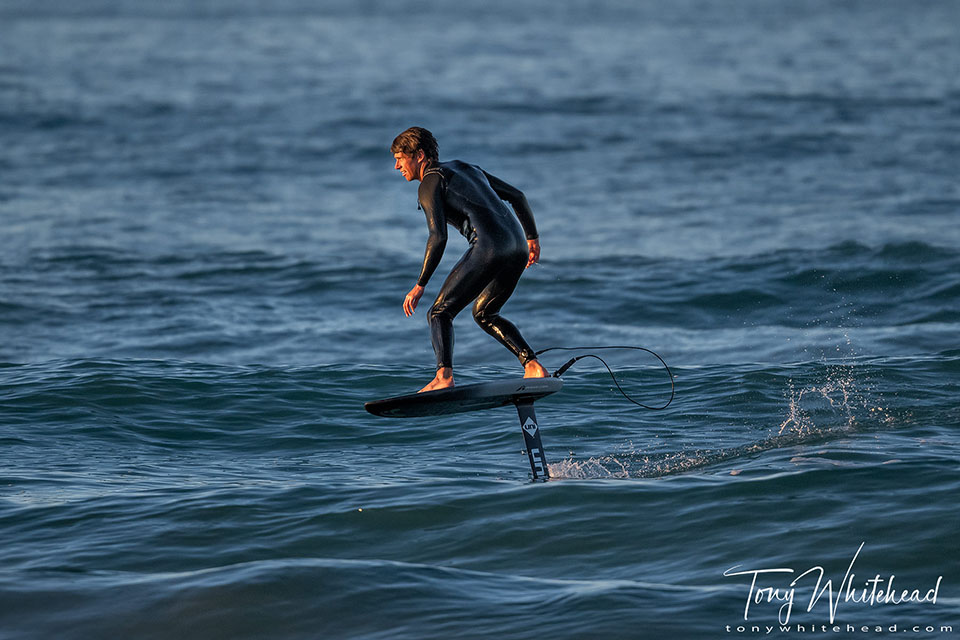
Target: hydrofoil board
[(468, 397)]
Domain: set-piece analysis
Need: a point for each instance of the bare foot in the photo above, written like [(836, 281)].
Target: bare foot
[(534, 369), (443, 380)]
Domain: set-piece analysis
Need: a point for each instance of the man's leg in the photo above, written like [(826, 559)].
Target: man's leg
[(486, 312), (466, 280)]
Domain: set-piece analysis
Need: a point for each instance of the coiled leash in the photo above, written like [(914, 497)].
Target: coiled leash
[(559, 372)]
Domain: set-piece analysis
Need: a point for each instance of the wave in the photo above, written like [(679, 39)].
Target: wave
[(268, 306), (301, 597)]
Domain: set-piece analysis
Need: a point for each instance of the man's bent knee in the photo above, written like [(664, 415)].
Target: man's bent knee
[(439, 312), (483, 318)]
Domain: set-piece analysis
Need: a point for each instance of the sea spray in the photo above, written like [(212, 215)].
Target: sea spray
[(831, 406)]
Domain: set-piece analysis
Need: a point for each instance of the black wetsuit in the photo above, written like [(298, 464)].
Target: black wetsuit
[(471, 200)]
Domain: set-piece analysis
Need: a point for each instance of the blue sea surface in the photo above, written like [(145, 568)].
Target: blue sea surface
[(204, 250)]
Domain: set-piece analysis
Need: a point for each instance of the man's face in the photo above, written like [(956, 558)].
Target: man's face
[(409, 165)]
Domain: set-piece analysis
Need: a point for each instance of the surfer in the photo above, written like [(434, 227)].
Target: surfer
[(502, 245)]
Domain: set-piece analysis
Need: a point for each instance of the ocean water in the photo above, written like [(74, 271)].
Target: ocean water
[(204, 250)]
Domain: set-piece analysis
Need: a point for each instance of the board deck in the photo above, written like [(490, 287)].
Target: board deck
[(468, 397)]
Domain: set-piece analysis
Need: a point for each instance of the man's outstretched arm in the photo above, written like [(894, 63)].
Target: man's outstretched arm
[(431, 200)]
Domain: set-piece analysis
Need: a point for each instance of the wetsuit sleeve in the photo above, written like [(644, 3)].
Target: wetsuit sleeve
[(519, 203), (430, 195)]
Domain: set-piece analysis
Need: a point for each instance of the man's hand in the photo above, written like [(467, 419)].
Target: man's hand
[(410, 302), (534, 257)]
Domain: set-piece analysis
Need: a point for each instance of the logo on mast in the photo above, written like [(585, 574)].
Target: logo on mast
[(530, 427)]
